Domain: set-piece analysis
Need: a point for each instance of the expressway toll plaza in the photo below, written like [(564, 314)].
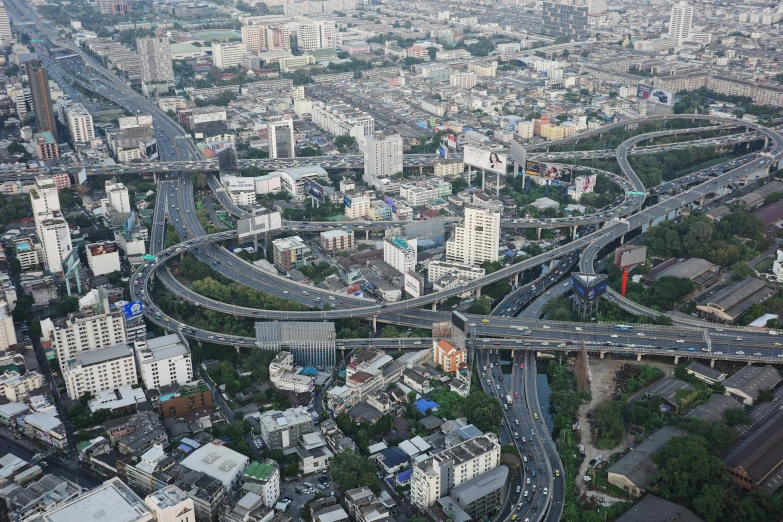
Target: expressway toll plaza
[(330, 261)]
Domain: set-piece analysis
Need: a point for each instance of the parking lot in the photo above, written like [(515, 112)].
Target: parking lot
[(288, 489)]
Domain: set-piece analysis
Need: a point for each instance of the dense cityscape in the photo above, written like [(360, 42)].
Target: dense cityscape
[(391, 261)]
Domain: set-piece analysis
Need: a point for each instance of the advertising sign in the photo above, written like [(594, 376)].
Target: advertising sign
[(518, 153), (347, 201), (131, 310), (389, 201), (485, 159), (588, 287), (258, 224), (314, 190), (451, 141), (629, 256), (653, 94), (82, 177), (585, 183), (130, 223), (414, 284), (552, 171)]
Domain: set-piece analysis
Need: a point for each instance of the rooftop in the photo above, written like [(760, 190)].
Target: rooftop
[(168, 497), (217, 461), (260, 470), (103, 355), (113, 501), (480, 486), (761, 453), (656, 509), (637, 466), (751, 379)]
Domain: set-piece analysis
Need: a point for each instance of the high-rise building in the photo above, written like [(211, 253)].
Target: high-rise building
[(382, 155), (164, 361), (99, 370), (44, 196), (281, 139), (85, 332), (5, 27), (400, 254), (436, 476), (253, 38), (7, 330), (318, 34), (38, 77), (680, 21), (229, 54), (50, 225), (119, 198), (568, 18), (477, 238), (79, 122), (282, 429), (157, 71), (263, 37)]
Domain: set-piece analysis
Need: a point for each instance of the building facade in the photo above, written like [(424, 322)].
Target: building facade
[(477, 238), (79, 122), (98, 370), (231, 54), (382, 155), (164, 361), (566, 18)]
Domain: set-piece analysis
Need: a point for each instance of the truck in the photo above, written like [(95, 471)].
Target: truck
[(508, 399)]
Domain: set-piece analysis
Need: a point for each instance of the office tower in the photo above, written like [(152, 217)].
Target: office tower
[(281, 139), (382, 155), (567, 18), (157, 71), (435, 477), (477, 238), (42, 97), (253, 38), (680, 21), (316, 35), (79, 122), (44, 197), (228, 54), (313, 344), (5, 27), (400, 254)]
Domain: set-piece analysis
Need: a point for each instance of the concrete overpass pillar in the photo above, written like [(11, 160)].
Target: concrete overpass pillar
[(551, 264), (516, 279), (601, 355), (538, 233), (622, 239), (367, 234), (573, 232), (374, 323), (638, 357), (478, 292), (676, 359), (712, 363), (434, 306), (701, 201), (155, 177)]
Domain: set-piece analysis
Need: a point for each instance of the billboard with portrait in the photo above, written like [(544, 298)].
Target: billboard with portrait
[(588, 287), (487, 160), (551, 171), (131, 310), (414, 284), (585, 183), (314, 190), (654, 94)]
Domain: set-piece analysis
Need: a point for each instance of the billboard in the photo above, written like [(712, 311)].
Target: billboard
[(653, 94), (485, 159), (130, 223), (81, 177), (389, 201), (588, 287), (519, 153), (585, 183), (551, 171), (631, 255), (451, 142), (131, 310), (314, 190), (414, 284), (258, 224), (347, 201)]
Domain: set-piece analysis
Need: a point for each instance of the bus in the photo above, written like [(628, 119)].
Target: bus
[(623, 327)]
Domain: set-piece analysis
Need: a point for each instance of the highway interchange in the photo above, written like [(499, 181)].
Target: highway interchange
[(516, 336)]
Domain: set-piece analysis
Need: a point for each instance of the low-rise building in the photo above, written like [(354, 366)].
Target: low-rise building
[(265, 477), (337, 240), (450, 358), (164, 361), (634, 472), (171, 504), (218, 461), (103, 258), (17, 388), (749, 381), (290, 252), (282, 429)]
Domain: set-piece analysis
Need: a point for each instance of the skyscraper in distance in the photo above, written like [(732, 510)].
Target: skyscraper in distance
[(38, 77), (5, 27), (680, 21), (157, 70), (566, 18)]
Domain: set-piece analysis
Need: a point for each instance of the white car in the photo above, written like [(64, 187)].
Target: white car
[(740, 352), (679, 341), (545, 343), (613, 336), (545, 327)]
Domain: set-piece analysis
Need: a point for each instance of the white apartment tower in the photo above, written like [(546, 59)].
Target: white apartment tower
[(99, 370), (318, 34), (262, 37), (164, 361), (382, 155), (80, 333), (5, 27), (436, 476), (119, 199), (400, 254), (680, 21), (44, 196), (281, 139), (50, 225), (79, 122), (253, 38), (229, 54), (155, 61), (477, 238)]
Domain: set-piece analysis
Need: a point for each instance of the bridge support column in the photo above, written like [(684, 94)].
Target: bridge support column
[(712, 363), (434, 306), (516, 279), (601, 355), (155, 177), (573, 232), (538, 233), (236, 348), (478, 292), (750, 363), (374, 323), (552, 264), (622, 239), (638, 357), (676, 359), (701, 201), (367, 235)]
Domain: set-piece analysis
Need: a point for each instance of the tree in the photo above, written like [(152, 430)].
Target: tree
[(740, 270), (458, 185), (736, 416), (481, 307), (351, 470), (66, 305), (199, 180), (390, 331), (483, 411), (344, 142)]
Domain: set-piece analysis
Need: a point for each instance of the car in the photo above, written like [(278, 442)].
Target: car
[(516, 395), (740, 352), (546, 327), (679, 341), (527, 481), (522, 366), (514, 516), (557, 472), (485, 320), (496, 343), (778, 344), (757, 354), (545, 343)]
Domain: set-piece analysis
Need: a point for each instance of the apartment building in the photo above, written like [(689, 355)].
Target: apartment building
[(337, 240), (171, 504), (98, 370), (400, 254), (27, 251), (164, 361), (463, 80), (680, 21), (422, 193), (448, 357), (290, 252), (266, 477), (357, 207), (436, 476), (230, 54), (79, 122), (318, 34), (17, 388), (382, 155), (281, 139), (155, 65), (566, 18), (477, 238), (46, 146), (285, 376), (438, 269), (86, 332), (7, 330), (282, 429), (266, 37), (342, 119)]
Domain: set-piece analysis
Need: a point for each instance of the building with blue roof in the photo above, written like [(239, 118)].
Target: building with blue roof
[(393, 460), (403, 477), (423, 405)]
